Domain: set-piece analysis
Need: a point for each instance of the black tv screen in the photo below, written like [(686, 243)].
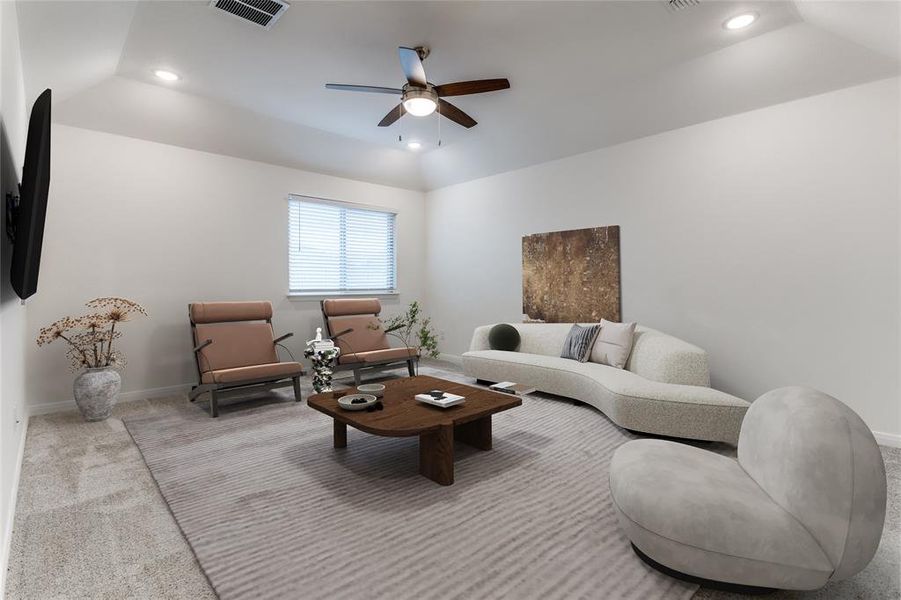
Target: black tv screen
[(29, 218)]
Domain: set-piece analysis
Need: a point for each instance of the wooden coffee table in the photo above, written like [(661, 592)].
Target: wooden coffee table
[(436, 427)]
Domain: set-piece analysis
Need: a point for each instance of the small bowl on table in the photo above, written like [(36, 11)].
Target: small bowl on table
[(375, 389), (357, 401)]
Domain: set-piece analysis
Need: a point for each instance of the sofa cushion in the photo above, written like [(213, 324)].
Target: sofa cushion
[(699, 513), (239, 374), (221, 312), (614, 344), (238, 344), (367, 333), (619, 381), (655, 355), (374, 356), (629, 400), (340, 307), (579, 341)]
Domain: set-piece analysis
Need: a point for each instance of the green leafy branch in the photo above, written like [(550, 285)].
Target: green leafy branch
[(411, 326)]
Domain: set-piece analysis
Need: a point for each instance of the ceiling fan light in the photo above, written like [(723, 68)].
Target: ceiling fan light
[(419, 106)]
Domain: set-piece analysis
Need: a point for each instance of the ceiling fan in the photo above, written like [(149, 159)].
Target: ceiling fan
[(421, 98)]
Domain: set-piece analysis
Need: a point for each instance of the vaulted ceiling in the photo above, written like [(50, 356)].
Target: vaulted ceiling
[(584, 75)]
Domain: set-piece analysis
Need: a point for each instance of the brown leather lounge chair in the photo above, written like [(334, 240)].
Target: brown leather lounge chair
[(235, 350), (366, 346)]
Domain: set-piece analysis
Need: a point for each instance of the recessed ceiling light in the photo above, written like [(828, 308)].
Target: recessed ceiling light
[(414, 145), (166, 75), (740, 21)]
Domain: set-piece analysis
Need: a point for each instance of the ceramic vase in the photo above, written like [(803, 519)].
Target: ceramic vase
[(96, 392)]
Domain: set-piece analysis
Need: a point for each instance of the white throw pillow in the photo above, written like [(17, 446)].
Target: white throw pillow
[(613, 344)]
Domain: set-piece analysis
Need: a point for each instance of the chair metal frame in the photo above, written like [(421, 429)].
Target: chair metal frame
[(219, 391)]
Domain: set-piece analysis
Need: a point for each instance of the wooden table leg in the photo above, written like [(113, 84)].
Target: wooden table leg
[(475, 433), (340, 434), (436, 455)]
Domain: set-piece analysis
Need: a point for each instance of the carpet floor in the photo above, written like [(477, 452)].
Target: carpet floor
[(91, 523), (272, 510)]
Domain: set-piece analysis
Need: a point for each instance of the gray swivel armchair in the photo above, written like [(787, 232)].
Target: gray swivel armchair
[(803, 504)]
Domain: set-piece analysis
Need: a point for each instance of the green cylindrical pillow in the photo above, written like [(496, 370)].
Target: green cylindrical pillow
[(503, 337)]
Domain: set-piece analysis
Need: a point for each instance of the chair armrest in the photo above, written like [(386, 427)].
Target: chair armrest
[(282, 338), (202, 345), (661, 357), (339, 334)]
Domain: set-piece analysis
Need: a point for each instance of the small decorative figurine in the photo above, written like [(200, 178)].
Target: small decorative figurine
[(322, 353)]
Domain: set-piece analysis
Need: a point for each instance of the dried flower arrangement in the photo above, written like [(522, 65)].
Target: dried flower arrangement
[(91, 336)]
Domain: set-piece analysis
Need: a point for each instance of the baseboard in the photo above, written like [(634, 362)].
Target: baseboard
[(891, 440), (9, 518), (62, 405)]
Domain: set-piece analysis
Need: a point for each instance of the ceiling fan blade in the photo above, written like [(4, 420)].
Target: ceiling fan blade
[(462, 88), (396, 113), (363, 88), (455, 114), (412, 66)]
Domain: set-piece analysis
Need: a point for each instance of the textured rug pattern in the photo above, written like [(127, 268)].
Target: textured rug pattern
[(271, 510)]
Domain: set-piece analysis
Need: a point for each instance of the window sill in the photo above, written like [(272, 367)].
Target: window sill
[(326, 295)]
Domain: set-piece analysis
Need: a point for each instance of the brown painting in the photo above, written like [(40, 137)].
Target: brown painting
[(571, 276)]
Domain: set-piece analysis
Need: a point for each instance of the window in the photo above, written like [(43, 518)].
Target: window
[(339, 248)]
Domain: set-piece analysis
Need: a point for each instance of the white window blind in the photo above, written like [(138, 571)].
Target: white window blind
[(339, 248)]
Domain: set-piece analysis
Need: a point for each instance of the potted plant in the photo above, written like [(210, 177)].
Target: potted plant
[(410, 327), (90, 340)]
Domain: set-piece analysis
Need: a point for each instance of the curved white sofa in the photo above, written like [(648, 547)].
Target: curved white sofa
[(663, 390)]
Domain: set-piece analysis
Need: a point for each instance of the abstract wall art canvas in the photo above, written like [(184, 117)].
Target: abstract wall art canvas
[(571, 276)]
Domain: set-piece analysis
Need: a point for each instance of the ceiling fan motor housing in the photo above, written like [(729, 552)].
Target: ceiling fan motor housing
[(411, 92), (419, 102)]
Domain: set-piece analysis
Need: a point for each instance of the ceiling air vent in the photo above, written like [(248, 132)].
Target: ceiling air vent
[(677, 5), (259, 12)]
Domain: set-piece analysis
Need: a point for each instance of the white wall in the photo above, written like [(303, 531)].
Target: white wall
[(769, 238), (13, 115), (165, 226)]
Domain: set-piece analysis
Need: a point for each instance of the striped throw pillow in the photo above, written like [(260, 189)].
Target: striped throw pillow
[(579, 341)]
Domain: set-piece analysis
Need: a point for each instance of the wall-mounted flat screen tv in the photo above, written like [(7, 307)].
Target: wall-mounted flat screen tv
[(26, 221)]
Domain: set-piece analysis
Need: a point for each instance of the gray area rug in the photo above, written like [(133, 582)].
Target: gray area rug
[(271, 510)]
